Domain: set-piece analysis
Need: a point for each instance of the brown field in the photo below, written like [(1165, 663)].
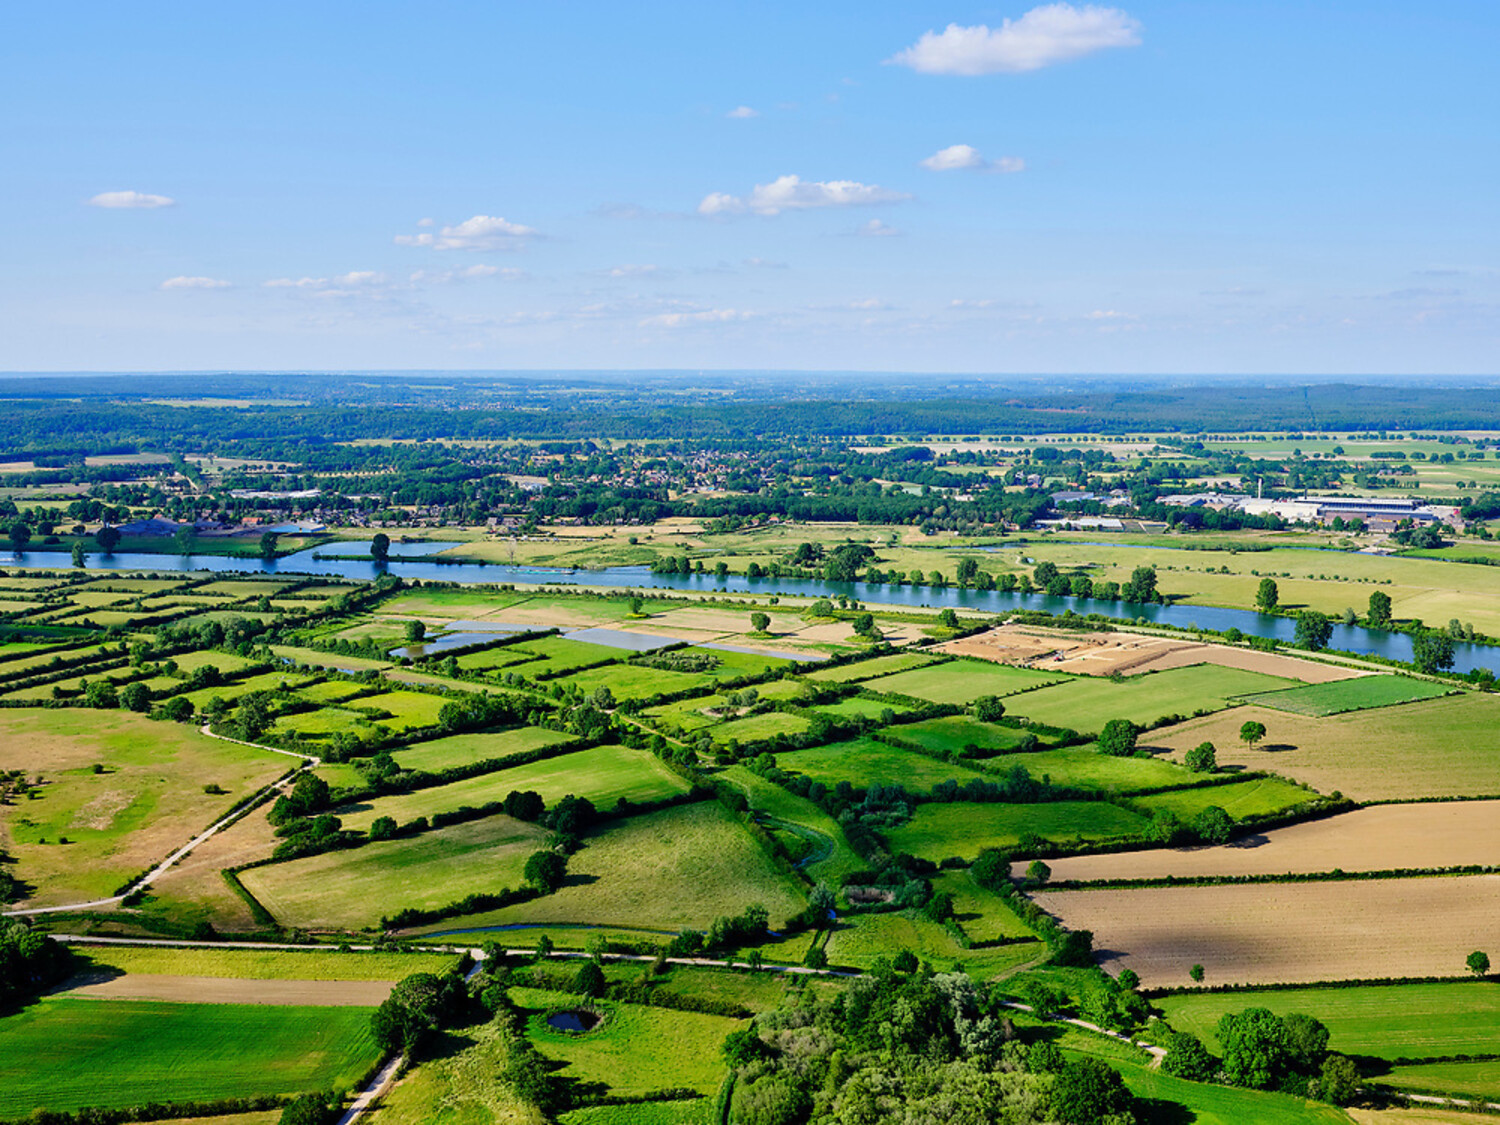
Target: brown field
[(226, 990), (1435, 748), (1424, 1116), (1378, 838), (1287, 932), (194, 888), (1130, 654)]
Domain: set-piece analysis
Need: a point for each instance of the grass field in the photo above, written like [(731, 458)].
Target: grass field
[(961, 681), (562, 655), (1287, 932), (860, 707), (938, 831), (832, 856), (635, 1049), (353, 889), (869, 669), (1456, 1079), (950, 734), (701, 711), (1208, 1104), (331, 691), (408, 710), (866, 760), (860, 938), (1348, 695), (148, 800), (458, 1086), (466, 749), (698, 1111), (65, 1054), (603, 774), (256, 964), (315, 659), (1085, 768), (982, 914), (1255, 797), (1435, 748), (1384, 1021), (1087, 704), (681, 867), (636, 681), (753, 728)]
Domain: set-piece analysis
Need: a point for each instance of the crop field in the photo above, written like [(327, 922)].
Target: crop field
[(1358, 694), (227, 663), (1087, 704), (1456, 1079), (832, 856), (1382, 1021), (257, 964), (635, 681), (734, 665), (1287, 932), (860, 938), (123, 1052), (148, 798), (1434, 748), (266, 681), (681, 867), (562, 655), (938, 831), (352, 889), (466, 749), (961, 681), (495, 659), (699, 1111), (698, 712), (952, 734), (1378, 838), (753, 728), (636, 1048), (860, 707), (863, 761), (1087, 768), (1255, 797), (869, 669), (603, 774)]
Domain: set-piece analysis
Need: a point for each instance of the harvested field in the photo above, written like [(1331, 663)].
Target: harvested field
[(1287, 932), (1435, 748), (1102, 654), (221, 990), (1379, 838), (960, 681)]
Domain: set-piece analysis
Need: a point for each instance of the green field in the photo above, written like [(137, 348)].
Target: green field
[(1348, 695), (693, 714), (337, 660), (1208, 1104), (1084, 767), (332, 691), (962, 681), (681, 867), (869, 669), (635, 1049), (860, 707), (831, 856), (1086, 703), (458, 1087), (636, 681), (753, 728), (350, 890), (562, 655), (860, 938), (698, 1111), (950, 734), (1255, 797), (124, 1052), (982, 914), (257, 964), (862, 761), (326, 722), (938, 831), (1382, 1021), (466, 749), (1456, 1079), (603, 774), (408, 710)]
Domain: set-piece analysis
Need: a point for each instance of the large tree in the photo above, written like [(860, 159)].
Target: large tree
[(1379, 614), (1267, 595), (1314, 630), (1118, 738), (1432, 651)]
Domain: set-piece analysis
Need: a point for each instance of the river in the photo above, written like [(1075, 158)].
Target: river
[(407, 560)]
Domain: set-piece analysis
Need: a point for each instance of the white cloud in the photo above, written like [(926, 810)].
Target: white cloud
[(867, 304), (876, 229), (967, 158), (764, 264), (482, 232), (1109, 314), (131, 200), (467, 273), (689, 319), (1051, 33), (194, 283), (426, 222), (339, 285), (634, 271), (743, 113), (792, 193)]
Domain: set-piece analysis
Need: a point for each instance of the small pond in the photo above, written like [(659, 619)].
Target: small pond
[(573, 1020)]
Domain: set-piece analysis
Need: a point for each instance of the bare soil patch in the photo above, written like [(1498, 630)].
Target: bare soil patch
[(222, 990), (1129, 654), (1379, 838), (196, 880), (1287, 932)]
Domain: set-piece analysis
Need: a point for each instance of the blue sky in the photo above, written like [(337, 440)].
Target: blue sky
[(1151, 187)]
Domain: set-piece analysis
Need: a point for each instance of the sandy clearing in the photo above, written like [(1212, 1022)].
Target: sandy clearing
[(1288, 932), (1131, 654), (1379, 838), (228, 990)]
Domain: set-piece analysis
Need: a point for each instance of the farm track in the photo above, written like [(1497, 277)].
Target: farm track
[(258, 799)]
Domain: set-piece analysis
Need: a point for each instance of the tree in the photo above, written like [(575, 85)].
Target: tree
[(1478, 962), (1432, 651), (183, 537), (817, 958), (1196, 974), (416, 632), (1213, 825), (80, 556), (380, 546), (1314, 630), (1257, 1049), (108, 538), (1044, 573), (268, 545), (1074, 949), (1142, 585), (1252, 732), (1267, 596), (864, 624), (988, 708), (1038, 872), (135, 697), (309, 1109), (1188, 1058), (821, 608), (383, 828), (1338, 1080), (743, 1047), (590, 980), (1203, 758), (177, 709), (20, 535), (966, 571), (1379, 614), (101, 694), (948, 619), (1117, 739), (1088, 1091), (546, 871), (637, 607), (760, 622)]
